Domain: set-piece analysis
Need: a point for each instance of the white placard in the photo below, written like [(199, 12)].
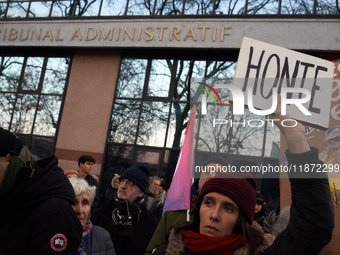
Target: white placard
[(262, 67)]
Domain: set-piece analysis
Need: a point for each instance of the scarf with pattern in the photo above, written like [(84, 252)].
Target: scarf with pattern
[(125, 214), (86, 236)]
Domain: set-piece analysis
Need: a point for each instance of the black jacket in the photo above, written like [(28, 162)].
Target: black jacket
[(92, 182), (312, 214), (36, 216)]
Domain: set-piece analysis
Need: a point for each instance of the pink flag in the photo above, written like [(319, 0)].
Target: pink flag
[(178, 197)]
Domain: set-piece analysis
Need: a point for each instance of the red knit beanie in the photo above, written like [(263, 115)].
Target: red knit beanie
[(241, 188)]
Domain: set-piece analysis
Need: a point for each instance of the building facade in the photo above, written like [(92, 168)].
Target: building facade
[(112, 79)]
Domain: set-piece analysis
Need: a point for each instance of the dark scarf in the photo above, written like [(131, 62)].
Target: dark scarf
[(125, 214), (202, 244)]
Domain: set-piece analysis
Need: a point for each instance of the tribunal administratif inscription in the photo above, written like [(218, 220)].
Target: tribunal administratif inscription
[(138, 34), (50, 33), (192, 33)]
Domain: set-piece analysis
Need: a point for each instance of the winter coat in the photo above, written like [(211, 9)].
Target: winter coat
[(36, 215), (127, 240), (99, 243), (311, 217), (311, 220), (175, 245)]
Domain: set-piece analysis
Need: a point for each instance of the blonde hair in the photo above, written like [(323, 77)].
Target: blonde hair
[(113, 180), (71, 171)]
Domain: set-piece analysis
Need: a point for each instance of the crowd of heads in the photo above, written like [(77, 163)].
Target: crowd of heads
[(227, 203)]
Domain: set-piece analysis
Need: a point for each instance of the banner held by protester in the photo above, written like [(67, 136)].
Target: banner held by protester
[(178, 197)]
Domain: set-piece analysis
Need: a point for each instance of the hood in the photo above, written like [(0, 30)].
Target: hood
[(48, 181)]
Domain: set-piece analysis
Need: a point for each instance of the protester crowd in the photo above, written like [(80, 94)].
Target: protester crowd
[(46, 210)]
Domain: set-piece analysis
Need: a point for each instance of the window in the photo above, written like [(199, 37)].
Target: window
[(31, 94), (150, 114), (40, 9)]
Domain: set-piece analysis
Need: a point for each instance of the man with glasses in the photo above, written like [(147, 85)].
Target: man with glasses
[(125, 217)]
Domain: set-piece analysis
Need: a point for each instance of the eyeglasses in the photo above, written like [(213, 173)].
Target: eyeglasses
[(127, 181)]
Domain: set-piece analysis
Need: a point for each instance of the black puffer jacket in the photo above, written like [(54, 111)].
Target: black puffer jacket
[(36, 216)]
